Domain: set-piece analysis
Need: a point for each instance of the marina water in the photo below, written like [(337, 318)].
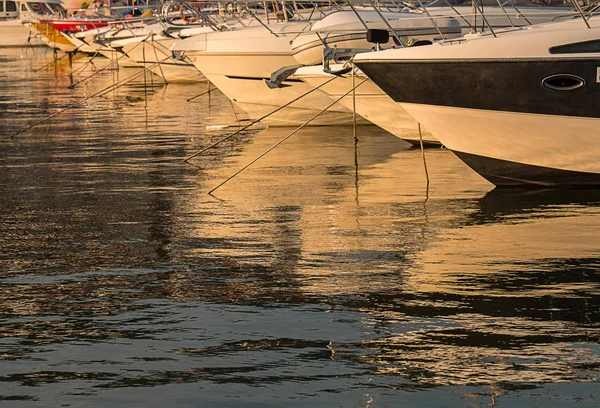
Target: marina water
[(328, 274)]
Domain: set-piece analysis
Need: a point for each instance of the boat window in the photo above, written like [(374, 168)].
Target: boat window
[(23, 7), (593, 7), (443, 3), (563, 82), (576, 48), (35, 6), (11, 6), (54, 7), (1, 6), (504, 3)]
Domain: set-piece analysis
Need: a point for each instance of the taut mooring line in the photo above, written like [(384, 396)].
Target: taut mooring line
[(198, 96), (145, 76), (99, 93), (156, 57), (355, 134), (113, 62), (82, 68), (288, 136), (258, 120), (54, 61), (95, 73), (28, 43), (423, 154)]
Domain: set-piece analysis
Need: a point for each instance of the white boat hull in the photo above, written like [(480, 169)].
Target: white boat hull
[(147, 53), (373, 105), (13, 34), (52, 38), (78, 44), (256, 99), (238, 62), (520, 108), (119, 58), (531, 144)]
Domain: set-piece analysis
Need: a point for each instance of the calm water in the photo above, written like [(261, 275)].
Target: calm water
[(317, 277)]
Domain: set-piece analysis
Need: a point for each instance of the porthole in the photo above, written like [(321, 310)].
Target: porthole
[(563, 82)]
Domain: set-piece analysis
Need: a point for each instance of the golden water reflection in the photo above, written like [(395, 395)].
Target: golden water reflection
[(460, 284), (344, 266)]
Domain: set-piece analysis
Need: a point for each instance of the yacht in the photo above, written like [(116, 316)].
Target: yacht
[(519, 107), (59, 33), (153, 51), (95, 41), (368, 100), (347, 30), (17, 15), (151, 46), (499, 14), (241, 62)]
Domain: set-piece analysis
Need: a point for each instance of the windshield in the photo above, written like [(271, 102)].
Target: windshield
[(43, 8), (55, 8), (505, 3)]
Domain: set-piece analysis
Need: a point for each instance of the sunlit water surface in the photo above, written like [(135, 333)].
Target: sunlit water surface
[(323, 275)]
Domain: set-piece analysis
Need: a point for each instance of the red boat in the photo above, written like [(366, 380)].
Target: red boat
[(78, 24), (57, 32)]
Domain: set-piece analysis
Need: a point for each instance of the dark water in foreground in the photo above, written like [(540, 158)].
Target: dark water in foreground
[(307, 281)]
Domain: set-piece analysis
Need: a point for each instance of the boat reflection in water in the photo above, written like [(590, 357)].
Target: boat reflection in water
[(468, 287), (322, 275), (507, 298)]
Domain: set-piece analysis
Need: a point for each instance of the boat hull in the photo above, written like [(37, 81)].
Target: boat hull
[(77, 25), (241, 78), (240, 61), (148, 51), (372, 104), (511, 149), (116, 55), (78, 44), (14, 34), (57, 33), (494, 84), (502, 118), (255, 98), (53, 38)]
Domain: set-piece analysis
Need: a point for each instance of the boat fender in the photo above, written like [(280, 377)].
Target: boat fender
[(184, 18), (377, 36)]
